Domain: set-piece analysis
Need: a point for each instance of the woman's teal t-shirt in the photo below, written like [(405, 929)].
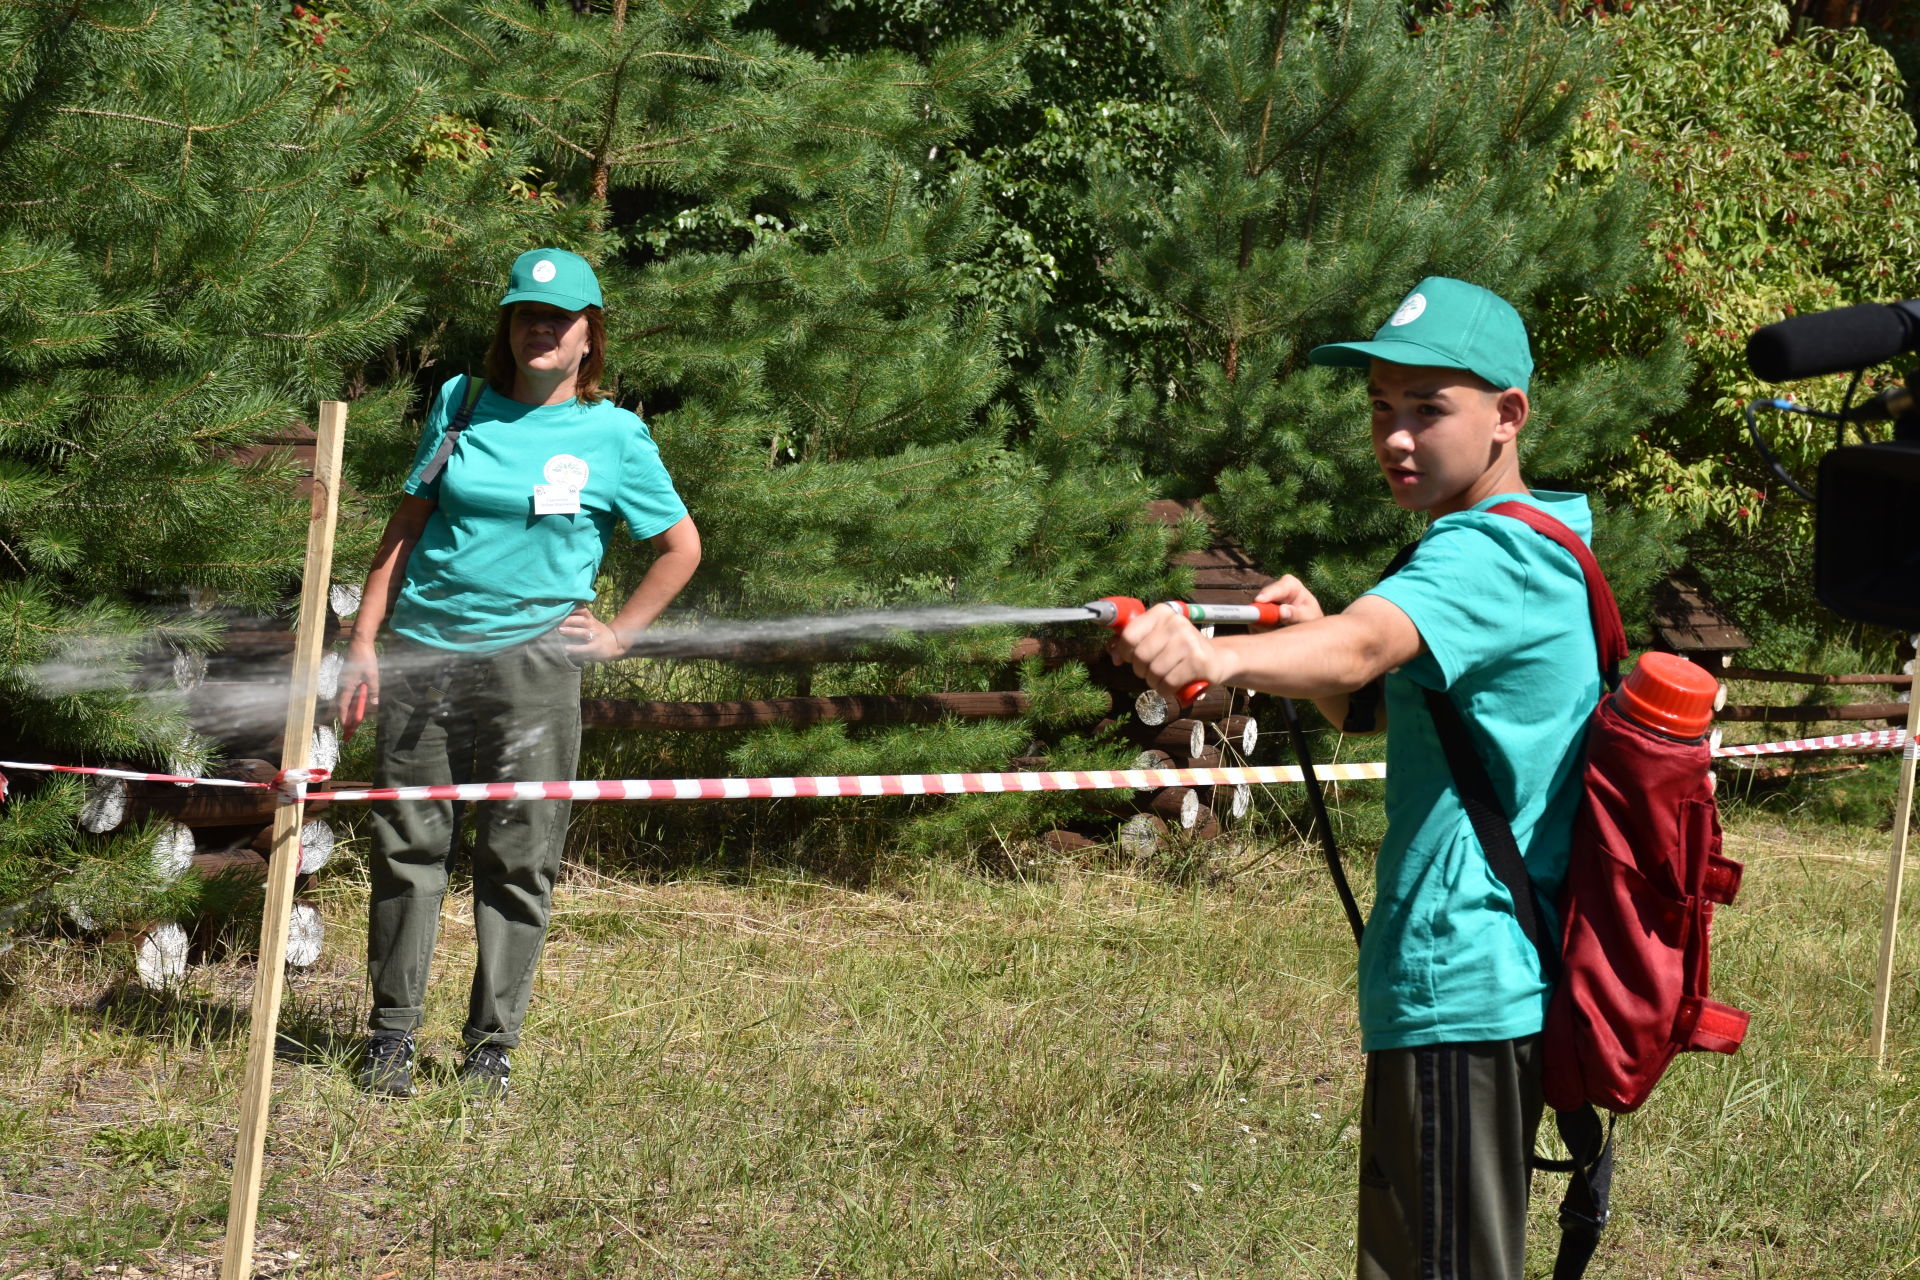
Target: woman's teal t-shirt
[(1503, 613), (499, 562)]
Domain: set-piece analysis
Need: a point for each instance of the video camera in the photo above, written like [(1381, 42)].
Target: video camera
[(1866, 545)]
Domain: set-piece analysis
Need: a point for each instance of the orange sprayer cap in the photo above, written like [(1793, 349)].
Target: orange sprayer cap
[(1669, 695)]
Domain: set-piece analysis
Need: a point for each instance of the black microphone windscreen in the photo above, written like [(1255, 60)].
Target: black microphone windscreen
[(1828, 342)]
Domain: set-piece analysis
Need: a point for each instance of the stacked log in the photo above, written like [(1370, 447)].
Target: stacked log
[(160, 955), (208, 832), (1192, 740), (237, 698)]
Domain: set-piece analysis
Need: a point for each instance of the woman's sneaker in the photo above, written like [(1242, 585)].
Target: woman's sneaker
[(486, 1072), (386, 1069)]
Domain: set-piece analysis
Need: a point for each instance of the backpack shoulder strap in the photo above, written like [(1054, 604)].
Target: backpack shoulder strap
[(1329, 846), (1609, 633), (438, 462), (1491, 826), (1363, 704)]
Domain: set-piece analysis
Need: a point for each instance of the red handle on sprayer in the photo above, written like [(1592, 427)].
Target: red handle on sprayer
[(1120, 610)]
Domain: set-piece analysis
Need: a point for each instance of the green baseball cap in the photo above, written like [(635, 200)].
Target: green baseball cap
[(553, 276), (1449, 324)]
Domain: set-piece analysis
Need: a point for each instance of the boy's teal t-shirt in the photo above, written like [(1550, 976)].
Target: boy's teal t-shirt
[(1503, 612), (489, 570)]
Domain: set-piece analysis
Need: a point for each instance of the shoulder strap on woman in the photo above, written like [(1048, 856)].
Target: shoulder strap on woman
[(438, 462)]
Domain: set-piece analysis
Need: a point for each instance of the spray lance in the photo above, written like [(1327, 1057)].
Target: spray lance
[(857, 630), (1117, 611)]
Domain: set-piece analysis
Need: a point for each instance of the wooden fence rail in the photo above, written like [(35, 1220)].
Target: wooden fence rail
[(1803, 677), (1812, 714), (1809, 713)]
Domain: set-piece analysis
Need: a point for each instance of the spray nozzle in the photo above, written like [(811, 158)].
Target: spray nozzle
[(1115, 611)]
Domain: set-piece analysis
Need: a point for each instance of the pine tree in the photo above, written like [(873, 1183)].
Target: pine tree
[(220, 216), (1332, 157), (180, 278), (1098, 98), (784, 257)]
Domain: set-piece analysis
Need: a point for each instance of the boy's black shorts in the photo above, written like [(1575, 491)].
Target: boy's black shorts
[(1445, 1133)]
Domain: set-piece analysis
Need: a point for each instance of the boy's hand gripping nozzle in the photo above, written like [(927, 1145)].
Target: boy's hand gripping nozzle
[(1117, 611)]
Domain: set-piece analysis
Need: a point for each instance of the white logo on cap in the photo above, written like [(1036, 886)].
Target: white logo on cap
[(566, 471), (1410, 310), (544, 270)]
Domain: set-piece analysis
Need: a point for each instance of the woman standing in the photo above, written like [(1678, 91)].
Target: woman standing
[(483, 577)]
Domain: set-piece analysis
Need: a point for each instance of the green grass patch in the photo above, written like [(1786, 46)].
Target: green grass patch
[(1061, 1068)]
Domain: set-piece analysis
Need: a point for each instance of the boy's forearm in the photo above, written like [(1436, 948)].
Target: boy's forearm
[(1322, 658), (1325, 659)]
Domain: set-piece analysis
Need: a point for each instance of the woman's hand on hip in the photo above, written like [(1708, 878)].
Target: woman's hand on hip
[(589, 639)]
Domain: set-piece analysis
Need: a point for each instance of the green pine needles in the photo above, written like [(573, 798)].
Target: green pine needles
[(922, 303), (1332, 156)]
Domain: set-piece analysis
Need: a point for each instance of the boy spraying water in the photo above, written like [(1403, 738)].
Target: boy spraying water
[(1495, 617)]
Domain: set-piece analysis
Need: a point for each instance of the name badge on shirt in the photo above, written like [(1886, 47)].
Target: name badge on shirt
[(555, 500)]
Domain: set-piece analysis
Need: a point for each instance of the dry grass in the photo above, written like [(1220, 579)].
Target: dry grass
[(1072, 1071)]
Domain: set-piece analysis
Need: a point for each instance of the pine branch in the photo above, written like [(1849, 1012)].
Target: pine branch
[(630, 154)]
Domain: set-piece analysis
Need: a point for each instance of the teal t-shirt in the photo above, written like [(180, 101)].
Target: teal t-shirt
[(490, 570), (1503, 612)]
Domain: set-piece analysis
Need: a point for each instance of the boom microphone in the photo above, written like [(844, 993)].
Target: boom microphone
[(1837, 341)]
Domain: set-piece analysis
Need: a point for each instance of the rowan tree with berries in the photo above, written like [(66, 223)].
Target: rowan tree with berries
[(1779, 167)]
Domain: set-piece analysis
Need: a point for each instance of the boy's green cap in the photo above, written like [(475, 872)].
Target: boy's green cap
[(1449, 324), (555, 277)]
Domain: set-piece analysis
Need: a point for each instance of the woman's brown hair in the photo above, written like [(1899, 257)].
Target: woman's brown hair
[(500, 367)]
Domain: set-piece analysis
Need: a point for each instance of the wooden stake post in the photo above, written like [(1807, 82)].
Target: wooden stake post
[(1890, 916), (256, 1093)]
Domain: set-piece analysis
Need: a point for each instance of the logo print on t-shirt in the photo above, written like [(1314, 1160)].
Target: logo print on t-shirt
[(1410, 310), (566, 471), (544, 270)]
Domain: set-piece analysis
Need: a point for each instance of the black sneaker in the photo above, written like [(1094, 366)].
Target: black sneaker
[(386, 1070), (486, 1071)]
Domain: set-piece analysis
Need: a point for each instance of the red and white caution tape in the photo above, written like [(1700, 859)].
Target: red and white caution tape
[(132, 776), (292, 782), (288, 782), (941, 784), (877, 784), (1878, 740)]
